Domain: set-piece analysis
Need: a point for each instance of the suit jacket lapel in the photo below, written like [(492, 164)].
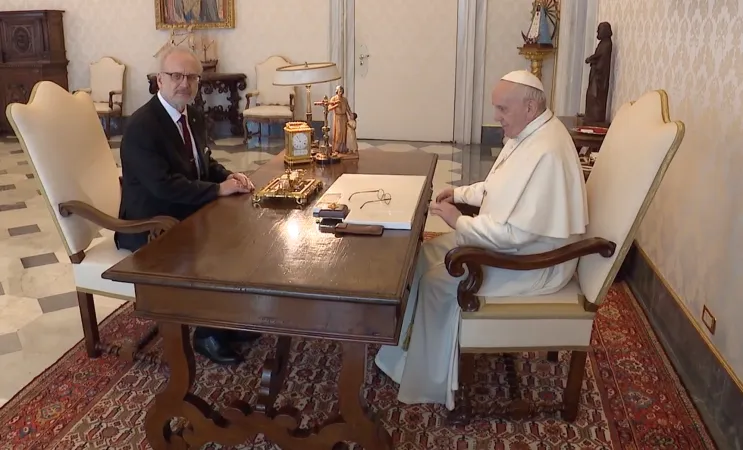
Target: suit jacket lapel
[(168, 126), (197, 131)]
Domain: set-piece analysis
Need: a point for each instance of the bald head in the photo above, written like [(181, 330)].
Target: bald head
[(179, 76), (516, 106)]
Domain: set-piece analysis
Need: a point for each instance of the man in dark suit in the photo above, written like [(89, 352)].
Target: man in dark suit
[(166, 171)]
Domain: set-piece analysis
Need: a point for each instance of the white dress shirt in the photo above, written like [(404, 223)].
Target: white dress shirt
[(176, 116)]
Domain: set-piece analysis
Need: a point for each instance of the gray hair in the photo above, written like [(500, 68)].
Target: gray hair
[(176, 49), (536, 95)]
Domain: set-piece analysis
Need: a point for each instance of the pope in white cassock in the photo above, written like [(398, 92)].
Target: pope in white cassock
[(532, 201)]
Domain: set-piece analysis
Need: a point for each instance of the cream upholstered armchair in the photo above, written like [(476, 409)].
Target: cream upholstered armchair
[(634, 157), (73, 162), (107, 89), (272, 103)]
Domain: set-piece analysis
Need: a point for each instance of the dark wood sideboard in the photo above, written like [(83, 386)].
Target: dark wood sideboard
[(32, 49)]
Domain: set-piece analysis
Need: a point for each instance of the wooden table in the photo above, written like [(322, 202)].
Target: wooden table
[(222, 83), (271, 270)]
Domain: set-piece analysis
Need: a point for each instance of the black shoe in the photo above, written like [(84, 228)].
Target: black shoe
[(236, 336), (217, 352)]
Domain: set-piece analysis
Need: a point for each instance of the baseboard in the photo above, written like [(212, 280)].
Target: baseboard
[(713, 387), (491, 135)]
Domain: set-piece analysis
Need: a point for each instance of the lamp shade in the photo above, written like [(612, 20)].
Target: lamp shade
[(306, 74)]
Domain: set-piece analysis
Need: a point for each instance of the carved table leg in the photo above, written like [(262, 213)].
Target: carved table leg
[(170, 403), (233, 111), (273, 376), (364, 430)]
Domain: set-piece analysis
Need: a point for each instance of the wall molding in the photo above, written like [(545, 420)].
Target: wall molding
[(341, 48), (713, 386), (470, 71)]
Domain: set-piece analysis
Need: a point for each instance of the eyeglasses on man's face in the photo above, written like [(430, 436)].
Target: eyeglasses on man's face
[(178, 77)]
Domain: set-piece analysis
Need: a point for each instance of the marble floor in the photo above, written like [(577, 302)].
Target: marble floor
[(39, 317)]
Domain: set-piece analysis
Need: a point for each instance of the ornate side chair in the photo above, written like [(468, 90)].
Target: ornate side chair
[(636, 152), (71, 158), (107, 89), (272, 103)]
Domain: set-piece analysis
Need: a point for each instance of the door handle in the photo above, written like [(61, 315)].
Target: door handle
[(361, 59)]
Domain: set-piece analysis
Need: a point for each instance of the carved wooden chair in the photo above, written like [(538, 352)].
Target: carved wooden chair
[(638, 149), (272, 103), (73, 162), (107, 89)]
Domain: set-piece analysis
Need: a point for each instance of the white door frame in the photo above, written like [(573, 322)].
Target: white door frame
[(470, 61)]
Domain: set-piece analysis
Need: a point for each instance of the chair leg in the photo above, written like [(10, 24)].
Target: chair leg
[(571, 396), (462, 412), (108, 127), (90, 323), (552, 357)]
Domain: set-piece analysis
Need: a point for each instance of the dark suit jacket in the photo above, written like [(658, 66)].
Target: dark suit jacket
[(157, 178)]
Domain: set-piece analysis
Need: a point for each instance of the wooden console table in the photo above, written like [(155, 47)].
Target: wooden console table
[(592, 141), (222, 83)]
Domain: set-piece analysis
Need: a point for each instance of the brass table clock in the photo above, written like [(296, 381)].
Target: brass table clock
[(297, 143)]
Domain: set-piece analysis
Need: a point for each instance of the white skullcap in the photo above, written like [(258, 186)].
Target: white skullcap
[(524, 77)]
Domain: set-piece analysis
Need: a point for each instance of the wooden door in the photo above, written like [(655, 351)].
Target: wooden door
[(405, 69)]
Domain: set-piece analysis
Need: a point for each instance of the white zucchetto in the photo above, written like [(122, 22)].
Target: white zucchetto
[(524, 77)]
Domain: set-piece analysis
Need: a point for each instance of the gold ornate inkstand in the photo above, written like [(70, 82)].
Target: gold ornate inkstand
[(290, 185)]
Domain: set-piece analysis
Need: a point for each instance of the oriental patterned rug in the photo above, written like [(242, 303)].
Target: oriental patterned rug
[(631, 398)]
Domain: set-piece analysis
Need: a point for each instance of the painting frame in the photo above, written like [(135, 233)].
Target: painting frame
[(163, 22)]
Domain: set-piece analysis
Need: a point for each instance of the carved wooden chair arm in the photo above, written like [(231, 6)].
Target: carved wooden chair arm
[(155, 225), (111, 101), (291, 102), (467, 210), (248, 96), (475, 258)]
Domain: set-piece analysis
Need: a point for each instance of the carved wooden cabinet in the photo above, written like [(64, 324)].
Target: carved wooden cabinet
[(32, 49)]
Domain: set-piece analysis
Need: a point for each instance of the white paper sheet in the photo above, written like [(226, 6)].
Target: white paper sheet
[(404, 192)]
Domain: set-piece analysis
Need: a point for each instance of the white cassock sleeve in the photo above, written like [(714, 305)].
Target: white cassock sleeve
[(482, 231), (470, 195)]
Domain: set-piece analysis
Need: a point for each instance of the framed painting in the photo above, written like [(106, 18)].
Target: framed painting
[(194, 14)]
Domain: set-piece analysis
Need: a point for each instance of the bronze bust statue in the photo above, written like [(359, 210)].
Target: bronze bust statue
[(598, 79)]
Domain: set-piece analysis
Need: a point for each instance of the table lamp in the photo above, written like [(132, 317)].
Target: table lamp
[(306, 75)]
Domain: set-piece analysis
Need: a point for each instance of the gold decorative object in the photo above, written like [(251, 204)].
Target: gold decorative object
[(536, 55), (297, 143), (204, 14), (326, 154), (290, 185)]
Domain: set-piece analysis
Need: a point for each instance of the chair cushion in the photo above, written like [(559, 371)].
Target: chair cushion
[(269, 111), (101, 107), (519, 323), (634, 156), (53, 123), (100, 256)]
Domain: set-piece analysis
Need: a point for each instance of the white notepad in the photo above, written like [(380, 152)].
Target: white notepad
[(404, 192)]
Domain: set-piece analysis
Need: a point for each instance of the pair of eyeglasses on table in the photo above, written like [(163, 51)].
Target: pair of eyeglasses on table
[(382, 196)]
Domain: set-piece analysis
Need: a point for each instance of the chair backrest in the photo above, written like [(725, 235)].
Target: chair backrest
[(70, 156), (106, 75), (268, 94), (629, 168)]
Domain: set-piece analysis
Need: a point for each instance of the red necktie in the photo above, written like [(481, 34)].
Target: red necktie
[(187, 146)]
